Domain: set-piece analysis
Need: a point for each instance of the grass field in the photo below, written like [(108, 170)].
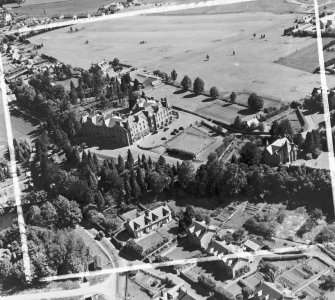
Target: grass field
[(182, 43), (306, 59), (51, 7), (41, 8)]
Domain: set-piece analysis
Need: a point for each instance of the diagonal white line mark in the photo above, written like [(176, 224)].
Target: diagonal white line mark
[(325, 101), (155, 10), (13, 167)]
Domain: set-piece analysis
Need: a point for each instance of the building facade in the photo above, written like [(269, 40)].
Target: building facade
[(146, 117), (280, 151), (149, 221)]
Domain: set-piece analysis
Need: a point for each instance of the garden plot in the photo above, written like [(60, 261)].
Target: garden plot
[(293, 221), (152, 240)]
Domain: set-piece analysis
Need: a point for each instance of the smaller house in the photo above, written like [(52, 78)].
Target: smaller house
[(149, 221), (253, 122), (253, 245), (200, 234)]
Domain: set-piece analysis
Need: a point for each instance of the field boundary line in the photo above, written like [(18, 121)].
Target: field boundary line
[(325, 101), (13, 169)]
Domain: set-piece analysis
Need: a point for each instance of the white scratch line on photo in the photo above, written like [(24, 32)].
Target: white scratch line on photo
[(155, 10), (145, 266), (324, 89), (13, 168)]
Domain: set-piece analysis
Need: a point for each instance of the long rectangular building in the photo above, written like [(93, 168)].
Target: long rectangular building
[(146, 116)]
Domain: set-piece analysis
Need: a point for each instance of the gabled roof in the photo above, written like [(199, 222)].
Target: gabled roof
[(276, 145), (218, 248), (269, 289), (254, 244), (202, 232), (149, 217)]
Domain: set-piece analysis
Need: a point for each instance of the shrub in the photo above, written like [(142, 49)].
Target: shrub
[(281, 217), (206, 282), (306, 227), (133, 249), (316, 214)]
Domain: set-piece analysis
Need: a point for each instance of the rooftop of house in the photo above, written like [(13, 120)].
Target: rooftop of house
[(254, 244), (278, 144), (271, 291), (218, 248), (149, 217)]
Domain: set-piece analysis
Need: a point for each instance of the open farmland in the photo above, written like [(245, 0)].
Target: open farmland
[(306, 59), (173, 42)]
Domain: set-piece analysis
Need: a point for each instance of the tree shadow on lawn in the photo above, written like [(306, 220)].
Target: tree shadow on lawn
[(14, 112), (192, 95), (174, 230), (207, 100), (178, 92), (246, 112)]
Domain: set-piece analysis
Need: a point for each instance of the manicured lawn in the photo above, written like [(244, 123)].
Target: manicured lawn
[(150, 241), (183, 251)]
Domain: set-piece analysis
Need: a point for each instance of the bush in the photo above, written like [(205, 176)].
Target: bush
[(206, 282), (306, 227), (133, 249), (327, 234), (281, 217)]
